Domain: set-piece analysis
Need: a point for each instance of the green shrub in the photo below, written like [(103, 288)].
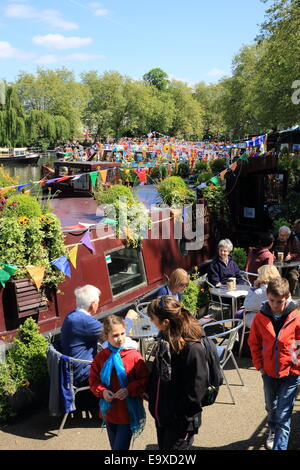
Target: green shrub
[(183, 170), (113, 195), (22, 205), (290, 208), (204, 177), (201, 166), (27, 356), (239, 255), (279, 223), (8, 387), (218, 165), (190, 297), (175, 192)]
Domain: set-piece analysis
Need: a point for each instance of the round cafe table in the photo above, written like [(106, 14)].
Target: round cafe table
[(286, 264), (239, 291)]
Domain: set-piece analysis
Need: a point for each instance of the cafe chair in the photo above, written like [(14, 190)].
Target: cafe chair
[(62, 391), (245, 276), (216, 306), (225, 340)]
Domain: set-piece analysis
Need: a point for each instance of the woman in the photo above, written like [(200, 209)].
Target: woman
[(223, 266), (260, 255), (178, 380), (258, 294), (176, 283)]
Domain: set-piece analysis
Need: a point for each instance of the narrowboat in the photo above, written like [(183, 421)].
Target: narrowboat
[(125, 275), (18, 155)]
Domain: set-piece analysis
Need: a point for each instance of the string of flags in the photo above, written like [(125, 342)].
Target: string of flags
[(37, 273), (215, 180)]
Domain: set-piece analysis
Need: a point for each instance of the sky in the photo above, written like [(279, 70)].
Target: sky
[(191, 40)]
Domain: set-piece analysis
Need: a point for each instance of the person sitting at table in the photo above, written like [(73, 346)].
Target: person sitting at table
[(287, 243), (260, 255), (175, 284), (258, 294), (223, 266)]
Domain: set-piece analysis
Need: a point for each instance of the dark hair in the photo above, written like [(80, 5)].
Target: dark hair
[(183, 327), (266, 240)]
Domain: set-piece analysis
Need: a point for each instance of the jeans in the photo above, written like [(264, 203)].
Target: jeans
[(119, 436), (280, 395)]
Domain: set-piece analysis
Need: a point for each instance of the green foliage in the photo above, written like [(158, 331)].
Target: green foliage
[(190, 297), (113, 195), (174, 192), (183, 170), (27, 356), (204, 177), (290, 208), (279, 223), (218, 165), (158, 173), (26, 365), (157, 78), (239, 255), (201, 166), (129, 176), (22, 205), (217, 203)]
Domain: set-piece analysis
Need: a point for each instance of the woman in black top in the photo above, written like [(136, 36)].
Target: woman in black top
[(179, 378)]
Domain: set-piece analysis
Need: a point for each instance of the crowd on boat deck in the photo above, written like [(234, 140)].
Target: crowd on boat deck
[(121, 381)]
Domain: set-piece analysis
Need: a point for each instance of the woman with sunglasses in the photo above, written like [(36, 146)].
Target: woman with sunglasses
[(179, 378), (176, 283)]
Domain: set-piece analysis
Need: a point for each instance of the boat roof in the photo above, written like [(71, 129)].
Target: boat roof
[(77, 212)]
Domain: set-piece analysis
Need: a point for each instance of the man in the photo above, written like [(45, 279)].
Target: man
[(287, 243), (81, 332)]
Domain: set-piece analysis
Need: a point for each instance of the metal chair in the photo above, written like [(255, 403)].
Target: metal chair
[(150, 342), (54, 358), (217, 305), (227, 339)]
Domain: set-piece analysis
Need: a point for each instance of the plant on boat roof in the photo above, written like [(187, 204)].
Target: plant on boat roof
[(239, 255), (118, 203), (216, 201), (174, 192), (30, 238)]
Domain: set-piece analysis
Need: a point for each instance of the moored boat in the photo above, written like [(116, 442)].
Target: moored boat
[(18, 155)]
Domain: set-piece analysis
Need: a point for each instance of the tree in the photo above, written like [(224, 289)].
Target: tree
[(12, 120), (158, 78)]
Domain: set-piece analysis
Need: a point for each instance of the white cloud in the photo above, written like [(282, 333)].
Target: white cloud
[(7, 51), (52, 18), (47, 59), (58, 41), (101, 12), (82, 57), (215, 72)]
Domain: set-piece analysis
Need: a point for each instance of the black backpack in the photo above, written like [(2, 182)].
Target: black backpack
[(215, 377)]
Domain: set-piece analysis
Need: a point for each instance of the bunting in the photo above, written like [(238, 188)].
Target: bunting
[(86, 241), (73, 255), (37, 274), (63, 265)]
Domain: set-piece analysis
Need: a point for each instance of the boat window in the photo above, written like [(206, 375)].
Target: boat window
[(126, 270)]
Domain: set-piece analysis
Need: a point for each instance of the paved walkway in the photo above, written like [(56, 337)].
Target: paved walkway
[(224, 426)]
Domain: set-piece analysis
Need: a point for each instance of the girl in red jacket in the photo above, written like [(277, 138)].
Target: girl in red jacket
[(274, 342), (118, 377)]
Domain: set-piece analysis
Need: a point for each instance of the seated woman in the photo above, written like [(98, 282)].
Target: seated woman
[(223, 266), (260, 255), (176, 283), (258, 293)]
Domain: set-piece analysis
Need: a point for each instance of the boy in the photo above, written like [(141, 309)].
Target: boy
[(274, 343)]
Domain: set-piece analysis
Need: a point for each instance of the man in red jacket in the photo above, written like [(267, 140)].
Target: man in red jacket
[(274, 343)]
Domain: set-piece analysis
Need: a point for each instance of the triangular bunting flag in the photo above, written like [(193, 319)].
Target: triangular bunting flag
[(73, 255), (93, 177), (37, 274), (233, 166), (244, 157), (222, 174), (86, 241), (215, 180), (103, 174), (63, 265), (4, 277), (9, 268)]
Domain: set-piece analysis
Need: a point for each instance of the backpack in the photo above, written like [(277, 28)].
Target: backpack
[(215, 377)]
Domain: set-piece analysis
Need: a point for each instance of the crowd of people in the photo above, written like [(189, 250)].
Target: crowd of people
[(120, 380)]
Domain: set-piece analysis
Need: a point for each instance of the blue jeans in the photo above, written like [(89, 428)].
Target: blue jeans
[(119, 436), (280, 395)]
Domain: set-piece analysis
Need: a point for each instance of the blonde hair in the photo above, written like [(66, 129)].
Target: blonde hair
[(178, 277), (266, 273)]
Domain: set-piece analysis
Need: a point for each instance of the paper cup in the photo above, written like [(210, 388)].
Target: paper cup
[(280, 256)]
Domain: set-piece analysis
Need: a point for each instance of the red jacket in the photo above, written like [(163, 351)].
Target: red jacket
[(258, 257), (137, 373), (275, 348)]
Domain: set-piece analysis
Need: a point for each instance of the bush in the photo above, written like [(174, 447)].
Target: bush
[(290, 208), (22, 205), (279, 223), (174, 192), (201, 165), (239, 255), (27, 356), (218, 165), (183, 170), (190, 297), (113, 195), (204, 177)]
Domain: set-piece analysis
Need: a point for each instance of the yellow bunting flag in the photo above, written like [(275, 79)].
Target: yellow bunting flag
[(222, 174), (233, 166), (27, 192), (36, 274), (103, 174), (73, 255)]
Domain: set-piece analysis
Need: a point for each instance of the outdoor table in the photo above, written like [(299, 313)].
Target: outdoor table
[(143, 328), (239, 291), (286, 264)]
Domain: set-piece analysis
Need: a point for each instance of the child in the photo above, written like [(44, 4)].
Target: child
[(118, 376), (179, 376), (274, 340)]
